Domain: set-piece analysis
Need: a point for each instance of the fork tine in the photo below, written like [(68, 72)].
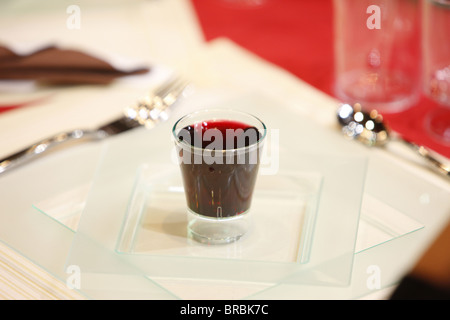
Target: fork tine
[(175, 91), (167, 87), (167, 94), (153, 108)]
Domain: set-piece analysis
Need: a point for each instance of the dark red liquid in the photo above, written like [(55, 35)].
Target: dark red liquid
[(223, 188), (232, 134)]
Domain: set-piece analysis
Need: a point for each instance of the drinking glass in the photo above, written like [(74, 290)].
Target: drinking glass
[(377, 53), (436, 66), (219, 154)]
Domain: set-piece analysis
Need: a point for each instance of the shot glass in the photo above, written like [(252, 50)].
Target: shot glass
[(377, 53), (219, 155)]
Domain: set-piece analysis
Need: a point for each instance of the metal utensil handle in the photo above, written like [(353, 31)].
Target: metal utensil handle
[(44, 146), (438, 165)]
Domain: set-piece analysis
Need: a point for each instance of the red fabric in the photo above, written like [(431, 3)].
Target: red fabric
[(297, 35), (12, 106)]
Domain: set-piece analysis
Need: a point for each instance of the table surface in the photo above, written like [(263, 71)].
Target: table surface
[(221, 49)]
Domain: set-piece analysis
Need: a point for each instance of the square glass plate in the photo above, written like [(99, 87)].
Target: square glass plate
[(52, 245), (31, 213), (120, 230), (282, 216), (402, 213)]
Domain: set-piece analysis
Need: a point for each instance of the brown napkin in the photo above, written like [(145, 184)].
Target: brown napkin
[(56, 66)]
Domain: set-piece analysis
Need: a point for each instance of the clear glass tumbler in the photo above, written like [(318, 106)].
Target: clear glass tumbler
[(436, 66), (219, 154), (377, 53)]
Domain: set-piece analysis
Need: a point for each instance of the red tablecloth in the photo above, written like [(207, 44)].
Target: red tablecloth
[(297, 35)]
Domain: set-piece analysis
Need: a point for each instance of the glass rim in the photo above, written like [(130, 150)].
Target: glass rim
[(224, 151)]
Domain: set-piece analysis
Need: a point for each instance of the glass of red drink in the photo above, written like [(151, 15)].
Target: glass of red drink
[(219, 153)]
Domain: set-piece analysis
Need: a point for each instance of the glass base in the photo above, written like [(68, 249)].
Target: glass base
[(217, 230), (437, 124), (387, 93)]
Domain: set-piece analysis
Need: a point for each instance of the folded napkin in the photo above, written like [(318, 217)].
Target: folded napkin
[(56, 66)]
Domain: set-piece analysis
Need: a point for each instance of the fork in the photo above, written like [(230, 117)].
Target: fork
[(147, 112)]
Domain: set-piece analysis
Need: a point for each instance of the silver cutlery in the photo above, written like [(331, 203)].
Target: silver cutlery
[(148, 112), (369, 128)]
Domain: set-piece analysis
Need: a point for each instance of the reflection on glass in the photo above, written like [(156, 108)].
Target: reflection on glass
[(436, 65)]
